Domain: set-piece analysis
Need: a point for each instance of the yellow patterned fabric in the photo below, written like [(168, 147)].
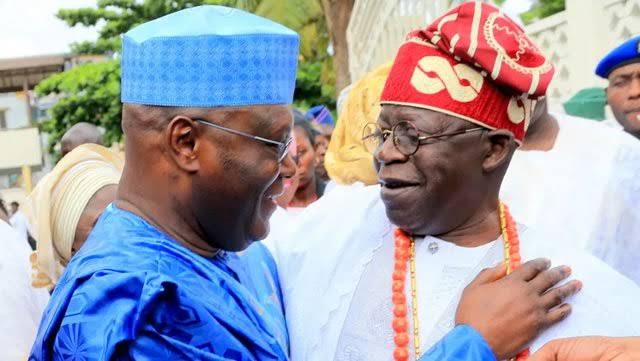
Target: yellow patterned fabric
[(347, 161), (58, 201)]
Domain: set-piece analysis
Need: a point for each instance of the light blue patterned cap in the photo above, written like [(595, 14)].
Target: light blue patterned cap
[(209, 56)]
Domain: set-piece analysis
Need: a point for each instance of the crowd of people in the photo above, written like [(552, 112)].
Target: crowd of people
[(446, 215)]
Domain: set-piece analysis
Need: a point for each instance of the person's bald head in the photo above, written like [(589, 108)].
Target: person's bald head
[(78, 134)]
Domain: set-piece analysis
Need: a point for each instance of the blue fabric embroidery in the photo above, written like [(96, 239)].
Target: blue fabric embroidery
[(132, 293), (209, 56)]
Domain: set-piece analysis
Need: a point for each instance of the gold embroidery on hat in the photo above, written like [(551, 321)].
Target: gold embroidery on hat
[(447, 77), (454, 41), (535, 81), (523, 44), (475, 25), (497, 64), (520, 109), (420, 41)]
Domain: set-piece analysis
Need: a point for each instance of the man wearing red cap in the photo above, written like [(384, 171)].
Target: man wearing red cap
[(456, 105)]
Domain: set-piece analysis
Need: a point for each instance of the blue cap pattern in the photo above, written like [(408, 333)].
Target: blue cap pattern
[(209, 56), (628, 52)]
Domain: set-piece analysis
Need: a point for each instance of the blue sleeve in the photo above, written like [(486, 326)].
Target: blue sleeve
[(118, 316), (102, 316), (463, 343)]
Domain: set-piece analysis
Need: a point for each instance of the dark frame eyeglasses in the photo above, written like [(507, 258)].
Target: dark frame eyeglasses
[(406, 137), (283, 147)]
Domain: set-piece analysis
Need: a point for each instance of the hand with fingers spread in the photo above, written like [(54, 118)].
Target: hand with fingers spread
[(594, 348), (509, 311)]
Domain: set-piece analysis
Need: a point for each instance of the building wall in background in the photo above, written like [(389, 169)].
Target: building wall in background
[(575, 39), (14, 107)]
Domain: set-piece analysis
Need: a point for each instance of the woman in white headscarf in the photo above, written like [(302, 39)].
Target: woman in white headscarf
[(65, 205)]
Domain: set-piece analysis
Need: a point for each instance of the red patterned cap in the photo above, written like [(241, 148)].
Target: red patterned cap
[(474, 63)]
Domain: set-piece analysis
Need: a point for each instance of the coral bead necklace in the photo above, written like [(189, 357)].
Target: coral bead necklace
[(405, 253)]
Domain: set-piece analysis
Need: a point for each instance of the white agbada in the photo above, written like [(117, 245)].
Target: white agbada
[(21, 305), (584, 192), (335, 266), (19, 222)]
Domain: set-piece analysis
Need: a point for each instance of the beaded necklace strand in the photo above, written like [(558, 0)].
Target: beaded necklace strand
[(405, 252)]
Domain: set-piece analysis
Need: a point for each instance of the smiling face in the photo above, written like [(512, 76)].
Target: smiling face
[(238, 180), (623, 95), (435, 190)]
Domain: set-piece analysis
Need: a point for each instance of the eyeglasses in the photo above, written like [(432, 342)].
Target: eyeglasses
[(406, 137), (283, 147)]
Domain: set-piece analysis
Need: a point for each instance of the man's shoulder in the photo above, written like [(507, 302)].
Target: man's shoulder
[(561, 251), (99, 310), (104, 263), (124, 243), (594, 134)]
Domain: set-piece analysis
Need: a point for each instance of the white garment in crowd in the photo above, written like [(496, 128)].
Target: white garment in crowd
[(585, 192), (335, 265), (21, 305), (20, 224)]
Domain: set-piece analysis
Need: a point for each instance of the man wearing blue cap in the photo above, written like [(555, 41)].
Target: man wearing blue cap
[(207, 119), (622, 68)]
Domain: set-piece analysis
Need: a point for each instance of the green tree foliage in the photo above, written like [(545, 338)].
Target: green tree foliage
[(91, 92), (310, 83), (543, 9)]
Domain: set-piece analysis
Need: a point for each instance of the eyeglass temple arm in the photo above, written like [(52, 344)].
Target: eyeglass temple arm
[(237, 132), (425, 137)]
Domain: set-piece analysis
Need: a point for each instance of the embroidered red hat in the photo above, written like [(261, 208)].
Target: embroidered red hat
[(474, 63)]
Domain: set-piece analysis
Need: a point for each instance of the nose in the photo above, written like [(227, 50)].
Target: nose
[(288, 166), (388, 153)]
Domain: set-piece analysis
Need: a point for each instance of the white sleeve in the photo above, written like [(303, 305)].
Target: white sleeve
[(290, 235), (21, 305), (617, 240), (606, 305)]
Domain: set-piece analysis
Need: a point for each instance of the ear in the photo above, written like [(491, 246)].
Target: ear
[(183, 143), (606, 95), (501, 145)]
